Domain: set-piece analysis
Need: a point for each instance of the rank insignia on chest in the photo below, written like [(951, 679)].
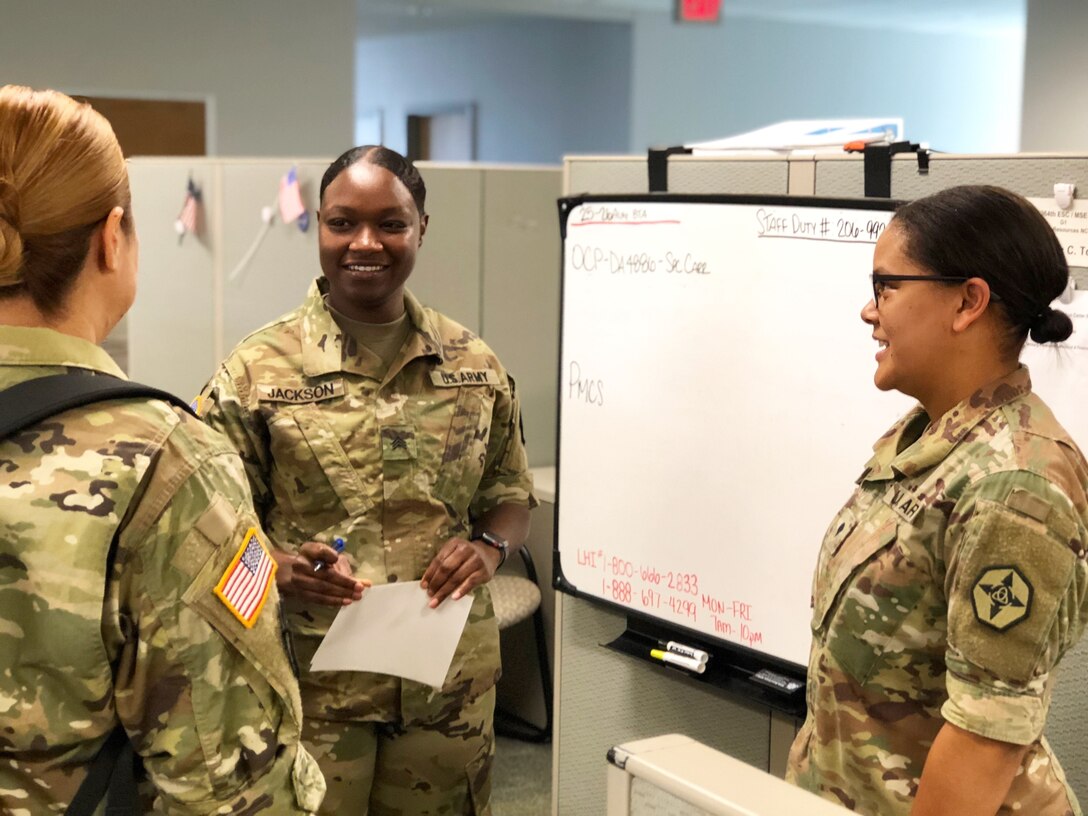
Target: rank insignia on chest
[(905, 503), (398, 442), (300, 393), (1001, 597), (443, 378), (246, 583)]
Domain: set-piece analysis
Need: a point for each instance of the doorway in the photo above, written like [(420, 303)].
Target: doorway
[(155, 127), (448, 134)]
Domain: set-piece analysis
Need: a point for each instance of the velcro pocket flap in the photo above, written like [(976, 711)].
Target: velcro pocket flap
[(858, 547)]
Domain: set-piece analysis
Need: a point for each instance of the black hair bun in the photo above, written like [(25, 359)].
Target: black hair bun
[(1051, 326)]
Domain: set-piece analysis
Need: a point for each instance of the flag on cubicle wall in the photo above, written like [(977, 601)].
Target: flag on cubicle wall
[(290, 201), (189, 217)]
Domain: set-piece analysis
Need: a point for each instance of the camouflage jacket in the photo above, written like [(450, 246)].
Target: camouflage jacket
[(210, 703), (393, 462), (947, 589)]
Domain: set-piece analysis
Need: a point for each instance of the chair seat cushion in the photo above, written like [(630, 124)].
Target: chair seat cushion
[(515, 598)]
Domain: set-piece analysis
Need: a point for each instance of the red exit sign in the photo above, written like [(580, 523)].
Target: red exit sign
[(698, 11)]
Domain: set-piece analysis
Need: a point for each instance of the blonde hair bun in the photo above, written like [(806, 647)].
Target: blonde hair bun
[(61, 173), (11, 253)]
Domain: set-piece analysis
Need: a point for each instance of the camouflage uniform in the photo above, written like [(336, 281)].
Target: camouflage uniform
[(947, 590), (210, 704), (394, 462)]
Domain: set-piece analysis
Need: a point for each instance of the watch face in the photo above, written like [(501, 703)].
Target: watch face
[(494, 541)]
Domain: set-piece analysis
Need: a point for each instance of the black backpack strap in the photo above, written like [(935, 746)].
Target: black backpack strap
[(112, 770), (29, 402), (112, 773)]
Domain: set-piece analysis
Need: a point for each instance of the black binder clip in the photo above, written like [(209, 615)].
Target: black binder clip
[(878, 165)]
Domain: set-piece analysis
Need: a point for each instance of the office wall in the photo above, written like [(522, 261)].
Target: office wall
[(959, 92), (279, 74), (543, 88), (1055, 71)]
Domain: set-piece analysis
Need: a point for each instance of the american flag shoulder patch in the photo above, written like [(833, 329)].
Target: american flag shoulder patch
[(245, 585)]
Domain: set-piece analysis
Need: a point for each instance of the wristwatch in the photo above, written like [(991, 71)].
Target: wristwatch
[(498, 542)]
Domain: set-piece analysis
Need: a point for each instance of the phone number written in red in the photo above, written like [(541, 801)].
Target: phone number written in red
[(640, 585)]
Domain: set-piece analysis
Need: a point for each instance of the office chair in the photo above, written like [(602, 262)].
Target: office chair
[(516, 598)]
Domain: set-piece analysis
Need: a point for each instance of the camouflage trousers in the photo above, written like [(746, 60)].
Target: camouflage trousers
[(433, 769)]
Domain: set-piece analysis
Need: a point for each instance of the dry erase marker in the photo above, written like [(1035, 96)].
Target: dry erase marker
[(689, 663), (687, 651), (338, 545), (778, 681)]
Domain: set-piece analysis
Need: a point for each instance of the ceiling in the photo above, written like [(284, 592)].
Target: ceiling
[(378, 17)]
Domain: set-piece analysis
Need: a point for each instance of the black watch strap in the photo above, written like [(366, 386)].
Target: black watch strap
[(498, 542)]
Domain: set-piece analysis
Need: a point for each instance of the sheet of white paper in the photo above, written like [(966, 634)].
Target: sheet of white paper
[(1059, 372), (392, 630)]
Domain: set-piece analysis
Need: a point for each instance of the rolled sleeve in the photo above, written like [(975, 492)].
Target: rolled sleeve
[(1006, 716)]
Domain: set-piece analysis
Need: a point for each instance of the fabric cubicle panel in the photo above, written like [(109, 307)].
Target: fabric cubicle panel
[(520, 288), (278, 273), (447, 273), (170, 332)]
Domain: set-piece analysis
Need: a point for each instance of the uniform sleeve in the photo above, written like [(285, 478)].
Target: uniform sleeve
[(1017, 601), (506, 467), (205, 689), (221, 406)]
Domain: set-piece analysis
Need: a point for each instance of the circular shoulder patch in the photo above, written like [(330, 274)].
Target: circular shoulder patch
[(1001, 597)]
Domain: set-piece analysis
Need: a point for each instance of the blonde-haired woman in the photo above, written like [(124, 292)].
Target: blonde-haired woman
[(118, 521)]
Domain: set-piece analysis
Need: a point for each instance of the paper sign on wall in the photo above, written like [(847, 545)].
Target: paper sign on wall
[(1071, 227)]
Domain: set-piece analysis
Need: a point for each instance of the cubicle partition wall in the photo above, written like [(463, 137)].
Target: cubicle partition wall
[(605, 698), (490, 260)]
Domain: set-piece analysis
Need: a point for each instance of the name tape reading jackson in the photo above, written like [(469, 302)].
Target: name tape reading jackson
[(307, 393)]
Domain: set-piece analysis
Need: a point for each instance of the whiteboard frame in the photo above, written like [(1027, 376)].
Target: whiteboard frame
[(734, 663)]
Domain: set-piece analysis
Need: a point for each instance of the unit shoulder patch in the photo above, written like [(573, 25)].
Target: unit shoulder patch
[(444, 378), (245, 585), (1001, 597)]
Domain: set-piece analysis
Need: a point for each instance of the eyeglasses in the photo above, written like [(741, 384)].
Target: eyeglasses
[(880, 282)]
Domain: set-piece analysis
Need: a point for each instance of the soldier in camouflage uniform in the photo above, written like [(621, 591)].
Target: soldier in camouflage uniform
[(365, 417), (94, 635), (954, 579)]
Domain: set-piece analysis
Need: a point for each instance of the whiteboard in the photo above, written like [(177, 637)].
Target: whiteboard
[(716, 404)]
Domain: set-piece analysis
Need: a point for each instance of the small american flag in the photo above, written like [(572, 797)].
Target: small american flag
[(290, 201), (245, 585), (190, 211)]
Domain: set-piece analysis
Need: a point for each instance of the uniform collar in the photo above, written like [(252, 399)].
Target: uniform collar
[(911, 447), (25, 346), (323, 340)]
